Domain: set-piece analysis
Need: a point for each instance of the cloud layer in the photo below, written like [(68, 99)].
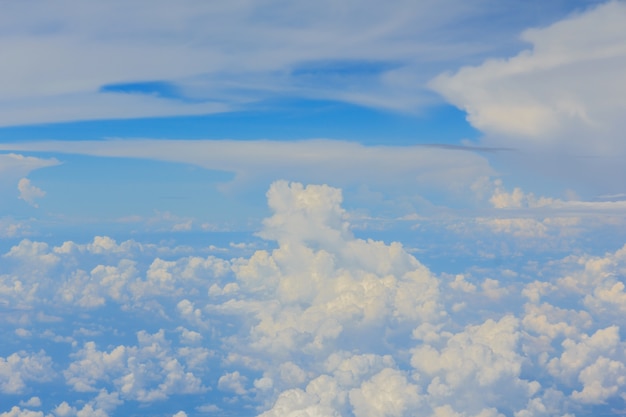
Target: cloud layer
[(324, 324), (344, 163)]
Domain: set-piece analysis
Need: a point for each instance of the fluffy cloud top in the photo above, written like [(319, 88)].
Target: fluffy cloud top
[(564, 97), (29, 192), (324, 323), (147, 372), (569, 80), (20, 368)]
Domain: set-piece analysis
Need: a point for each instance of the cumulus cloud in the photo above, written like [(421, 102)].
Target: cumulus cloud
[(387, 393), (29, 192), (31, 402), (100, 406), (324, 279), (233, 382), (19, 412), (109, 273), (146, 372), (321, 323), (451, 369), (561, 100), (20, 368), (483, 355), (601, 380)]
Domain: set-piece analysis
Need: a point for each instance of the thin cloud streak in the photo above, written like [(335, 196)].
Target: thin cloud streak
[(335, 162)]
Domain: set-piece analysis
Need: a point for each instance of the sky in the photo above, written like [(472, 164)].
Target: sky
[(294, 208)]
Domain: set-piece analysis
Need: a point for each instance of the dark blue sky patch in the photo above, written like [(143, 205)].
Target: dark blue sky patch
[(162, 89)]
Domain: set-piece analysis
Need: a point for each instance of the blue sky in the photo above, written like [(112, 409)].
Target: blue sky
[(330, 208)]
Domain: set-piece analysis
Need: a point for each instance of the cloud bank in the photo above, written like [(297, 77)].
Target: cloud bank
[(560, 101), (323, 324)]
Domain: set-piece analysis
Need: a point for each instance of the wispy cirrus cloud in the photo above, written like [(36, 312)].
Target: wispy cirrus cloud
[(72, 61)]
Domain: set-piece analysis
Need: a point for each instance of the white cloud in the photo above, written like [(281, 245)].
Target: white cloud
[(597, 281), (578, 355), (109, 273), (33, 261), (323, 323), (547, 101), (100, 406), (13, 170), (19, 368), (501, 199), (560, 102), (601, 380), (233, 382), (189, 312), (321, 279), (37, 252), (527, 216), (312, 214), (104, 403), (291, 374), (32, 402), (189, 336), (295, 402), (549, 320), (518, 199), (387, 393), (29, 192), (64, 410), (15, 166), (92, 365), (483, 355), (19, 412), (147, 372)]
